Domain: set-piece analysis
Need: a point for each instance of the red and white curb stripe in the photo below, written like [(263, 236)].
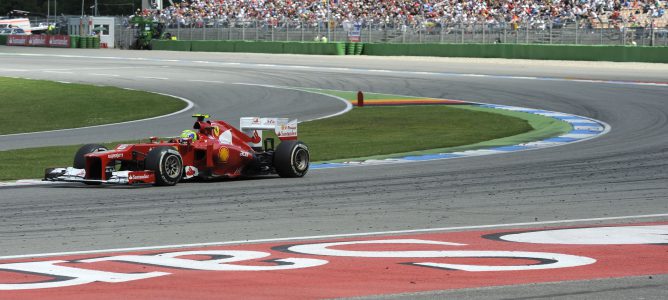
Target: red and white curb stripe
[(346, 265)]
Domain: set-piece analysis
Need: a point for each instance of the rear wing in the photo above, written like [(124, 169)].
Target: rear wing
[(284, 128)]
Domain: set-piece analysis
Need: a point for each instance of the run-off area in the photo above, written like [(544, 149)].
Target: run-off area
[(346, 267)]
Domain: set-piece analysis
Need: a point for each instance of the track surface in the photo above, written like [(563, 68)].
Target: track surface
[(622, 173)]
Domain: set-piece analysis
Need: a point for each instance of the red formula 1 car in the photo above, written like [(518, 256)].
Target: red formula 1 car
[(213, 149)]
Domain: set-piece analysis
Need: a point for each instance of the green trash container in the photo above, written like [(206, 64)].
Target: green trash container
[(358, 48), (89, 42), (74, 40), (83, 44), (350, 48), (96, 42), (340, 49)]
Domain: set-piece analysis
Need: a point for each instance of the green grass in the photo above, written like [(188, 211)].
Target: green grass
[(372, 131), (369, 132), (37, 105), (362, 132)]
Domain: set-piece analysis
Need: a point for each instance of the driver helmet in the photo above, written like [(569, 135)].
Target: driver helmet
[(189, 134)]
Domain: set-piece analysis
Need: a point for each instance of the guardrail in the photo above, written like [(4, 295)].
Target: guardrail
[(316, 48), (511, 51), (520, 51)]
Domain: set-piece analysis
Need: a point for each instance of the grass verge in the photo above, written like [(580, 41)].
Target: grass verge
[(370, 132), (52, 105), (362, 132)]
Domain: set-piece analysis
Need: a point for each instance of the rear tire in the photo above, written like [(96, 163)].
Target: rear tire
[(167, 165), (291, 159)]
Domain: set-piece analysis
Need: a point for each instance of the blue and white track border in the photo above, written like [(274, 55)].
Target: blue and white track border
[(582, 129)]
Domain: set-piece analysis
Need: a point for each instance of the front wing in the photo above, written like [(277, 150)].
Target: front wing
[(70, 174)]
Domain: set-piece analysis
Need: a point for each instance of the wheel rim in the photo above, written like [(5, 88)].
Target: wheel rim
[(301, 160), (172, 166)]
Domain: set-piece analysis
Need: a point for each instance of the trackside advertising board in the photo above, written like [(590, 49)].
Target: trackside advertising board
[(39, 40), (18, 40)]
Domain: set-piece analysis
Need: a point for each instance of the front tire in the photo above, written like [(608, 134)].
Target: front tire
[(291, 159), (167, 165), (79, 157)]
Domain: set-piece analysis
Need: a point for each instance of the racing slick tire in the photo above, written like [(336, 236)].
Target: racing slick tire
[(80, 160), (167, 165), (291, 159)]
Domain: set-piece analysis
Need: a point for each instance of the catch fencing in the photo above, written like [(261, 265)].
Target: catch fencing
[(549, 31)]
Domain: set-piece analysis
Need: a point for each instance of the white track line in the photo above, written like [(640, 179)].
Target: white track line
[(354, 70), (349, 106), (332, 236)]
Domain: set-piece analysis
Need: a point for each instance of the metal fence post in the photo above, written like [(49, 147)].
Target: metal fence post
[(461, 27), (404, 29), (504, 32), (577, 30), (441, 33), (526, 31), (369, 32), (257, 31), (550, 31), (623, 39), (651, 31), (301, 24), (483, 32)]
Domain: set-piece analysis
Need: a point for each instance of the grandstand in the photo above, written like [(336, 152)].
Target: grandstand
[(402, 21)]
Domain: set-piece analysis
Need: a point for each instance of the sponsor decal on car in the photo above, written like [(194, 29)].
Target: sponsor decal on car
[(191, 172), (224, 154), (287, 131), (139, 177), (115, 156), (225, 138)]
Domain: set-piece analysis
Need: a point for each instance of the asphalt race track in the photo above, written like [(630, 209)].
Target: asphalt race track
[(621, 174)]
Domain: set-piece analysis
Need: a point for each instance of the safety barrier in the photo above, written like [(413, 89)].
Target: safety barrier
[(38, 40), (513, 51), (252, 47), (3, 39), (522, 51)]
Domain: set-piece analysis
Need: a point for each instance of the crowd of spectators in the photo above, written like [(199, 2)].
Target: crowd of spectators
[(415, 13)]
